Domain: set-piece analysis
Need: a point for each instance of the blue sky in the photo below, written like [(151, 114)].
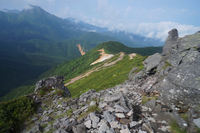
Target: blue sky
[(151, 18)]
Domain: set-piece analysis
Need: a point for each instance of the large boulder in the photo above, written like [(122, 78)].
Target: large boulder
[(152, 62), (55, 82)]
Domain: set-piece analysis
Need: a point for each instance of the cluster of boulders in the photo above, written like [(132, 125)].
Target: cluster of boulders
[(114, 110), (167, 88)]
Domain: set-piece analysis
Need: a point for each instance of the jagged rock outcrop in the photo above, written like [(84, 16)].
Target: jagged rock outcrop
[(171, 42), (55, 82), (178, 75)]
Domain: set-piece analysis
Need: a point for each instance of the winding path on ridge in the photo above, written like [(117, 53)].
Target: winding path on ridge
[(107, 64)]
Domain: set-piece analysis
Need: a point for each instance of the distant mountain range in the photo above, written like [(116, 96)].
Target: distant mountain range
[(33, 41)]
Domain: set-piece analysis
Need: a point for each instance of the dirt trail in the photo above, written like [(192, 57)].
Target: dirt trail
[(95, 69), (103, 57), (80, 49)]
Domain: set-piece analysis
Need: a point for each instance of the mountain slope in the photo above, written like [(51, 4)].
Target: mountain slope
[(33, 41)]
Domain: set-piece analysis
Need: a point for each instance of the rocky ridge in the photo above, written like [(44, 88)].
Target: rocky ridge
[(147, 102)]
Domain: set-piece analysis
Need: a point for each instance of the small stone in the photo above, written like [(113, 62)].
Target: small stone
[(133, 123), (164, 128), (103, 127), (110, 109), (140, 131), (112, 98), (110, 131), (185, 124), (95, 120), (79, 129), (88, 124), (92, 103), (108, 117), (124, 121), (130, 113), (120, 109), (120, 115), (163, 122), (147, 127), (125, 131), (102, 105), (197, 122), (114, 124), (152, 119)]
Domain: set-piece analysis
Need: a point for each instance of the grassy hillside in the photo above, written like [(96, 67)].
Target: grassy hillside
[(76, 67), (108, 77)]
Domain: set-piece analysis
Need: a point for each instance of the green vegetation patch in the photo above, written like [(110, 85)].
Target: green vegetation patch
[(145, 99), (59, 92), (167, 64), (75, 67), (107, 77), (90, 110), (174, 127), (14, 113)]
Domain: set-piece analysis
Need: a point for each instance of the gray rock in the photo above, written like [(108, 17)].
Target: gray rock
[(114, 124), (108, 117), (119, 108), (133, 123), (103, 127), (112, 98), (197, 122), (152, 62), (92, 103), (60, 131), (110, 131), (79, 128), (95, 120), (120, 115), (151, 104), (125, 131), (88, 124), (52, 83), (171, 41)]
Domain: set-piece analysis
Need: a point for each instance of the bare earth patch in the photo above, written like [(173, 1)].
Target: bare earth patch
[(132, 55), (80, 49), (103, 57)]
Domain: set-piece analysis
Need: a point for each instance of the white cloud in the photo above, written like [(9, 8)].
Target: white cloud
[(160, 30)]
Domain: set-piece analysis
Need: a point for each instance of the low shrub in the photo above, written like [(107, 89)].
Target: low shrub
[(14, 113)]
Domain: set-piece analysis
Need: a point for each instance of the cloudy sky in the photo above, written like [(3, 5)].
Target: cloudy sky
[(151, 18)]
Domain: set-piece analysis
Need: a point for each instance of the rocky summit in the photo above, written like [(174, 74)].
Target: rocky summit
[(164, 95)]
